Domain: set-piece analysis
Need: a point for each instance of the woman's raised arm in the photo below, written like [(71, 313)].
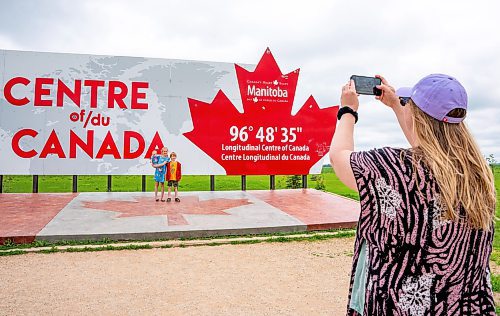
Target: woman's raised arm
[(343, 140)]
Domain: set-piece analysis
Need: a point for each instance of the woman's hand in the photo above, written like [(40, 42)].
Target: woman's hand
[(388, 96), (349, 97)]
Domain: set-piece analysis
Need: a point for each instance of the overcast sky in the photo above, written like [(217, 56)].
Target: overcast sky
[(328, 40)]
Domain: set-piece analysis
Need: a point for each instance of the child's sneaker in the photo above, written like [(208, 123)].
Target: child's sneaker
[(169, 199)]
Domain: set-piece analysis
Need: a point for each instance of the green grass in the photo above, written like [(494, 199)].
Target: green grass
[(51, 250), (495, 254), (8, 244), (12, 253), (23, 184), (281, 239), (495, 282), (109, 247)]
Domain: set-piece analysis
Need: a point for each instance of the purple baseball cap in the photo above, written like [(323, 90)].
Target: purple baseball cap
[(436, 95)]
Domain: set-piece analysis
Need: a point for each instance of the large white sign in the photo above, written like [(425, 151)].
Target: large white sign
[(87, 114)]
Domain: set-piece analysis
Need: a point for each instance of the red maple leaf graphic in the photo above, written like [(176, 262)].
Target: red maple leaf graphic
[(260, 140), (143, 206)]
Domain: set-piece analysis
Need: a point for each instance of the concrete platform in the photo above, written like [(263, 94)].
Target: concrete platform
[(135, 215)]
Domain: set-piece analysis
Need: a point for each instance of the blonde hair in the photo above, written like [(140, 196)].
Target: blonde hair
[(456, 163)]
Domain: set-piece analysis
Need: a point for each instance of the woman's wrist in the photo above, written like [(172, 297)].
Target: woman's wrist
[(354, 107), (347, 111)]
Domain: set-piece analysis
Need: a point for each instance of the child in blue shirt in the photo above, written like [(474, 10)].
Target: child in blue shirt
[(159, 162)]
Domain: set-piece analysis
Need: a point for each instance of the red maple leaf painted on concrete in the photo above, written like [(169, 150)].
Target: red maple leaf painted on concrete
[(174, 211), (267, 97)]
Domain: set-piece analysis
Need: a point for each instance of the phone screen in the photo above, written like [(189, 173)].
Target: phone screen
[(367, 85)]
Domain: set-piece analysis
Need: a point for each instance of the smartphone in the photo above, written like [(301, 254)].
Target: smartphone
[(367, 85)]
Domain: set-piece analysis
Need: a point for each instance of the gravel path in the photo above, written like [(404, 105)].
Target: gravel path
[(297, 278)]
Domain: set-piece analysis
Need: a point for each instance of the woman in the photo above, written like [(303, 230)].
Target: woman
[(425, 230)]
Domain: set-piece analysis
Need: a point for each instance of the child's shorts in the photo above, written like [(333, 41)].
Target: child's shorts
[(173, 183)]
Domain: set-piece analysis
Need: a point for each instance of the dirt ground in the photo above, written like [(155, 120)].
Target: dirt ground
[(298, 278)]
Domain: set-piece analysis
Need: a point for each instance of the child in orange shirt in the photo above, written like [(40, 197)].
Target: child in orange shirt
[(174, 175)]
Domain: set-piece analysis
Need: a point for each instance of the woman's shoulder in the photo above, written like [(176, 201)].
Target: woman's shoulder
[(380, 161), (390, 151), (384, 153)]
